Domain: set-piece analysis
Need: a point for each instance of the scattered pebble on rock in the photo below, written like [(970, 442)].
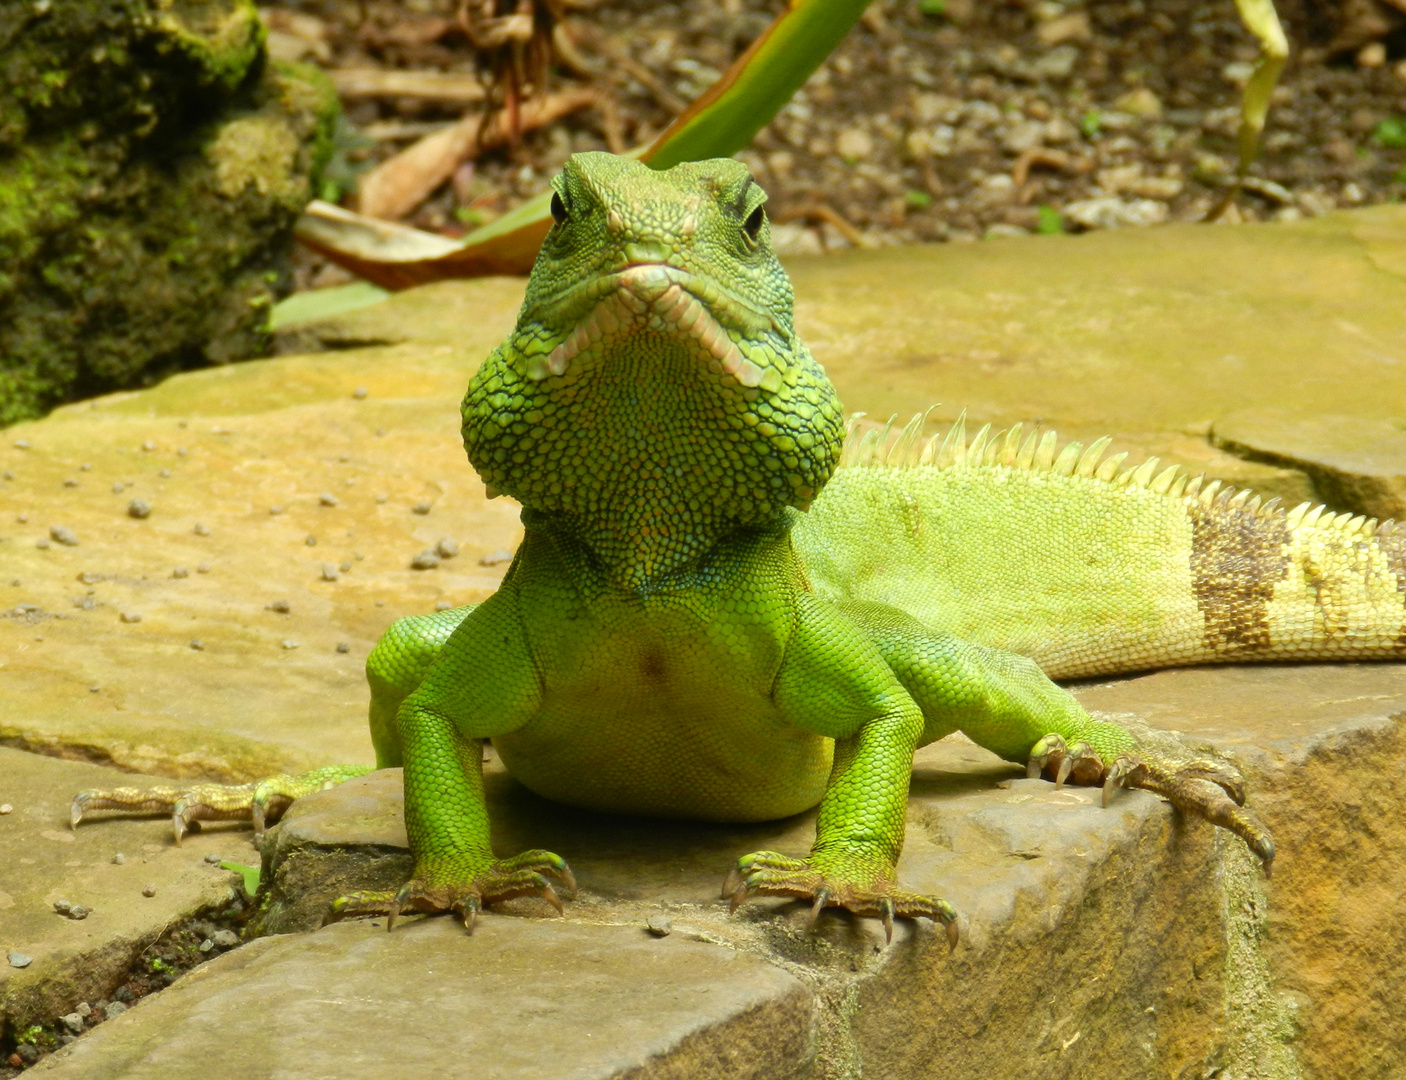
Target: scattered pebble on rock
[(42, 545), (343, 646), (115, 1008), (74, 1023), (382, 498), (63, 907), (344, 567), (148, 445), (119, 858), (275, 510), (426, 560), (197, 644), (165, 474), (6, 808), (444, 605), (447, 547), (20, 960), (70, 482), (139, 508), (659, 925), (280, 606), (180, 572), (78, 911), (493, 558), (21, 444), (149, 890), (421, 508), (290, 644), (118, 488), (214, 859), (94, 689), (203, 568), (131, 616), (200, 529), (328, 499), (330, 572), (359, 393), (206, 945), (225, 939), (62, 534)]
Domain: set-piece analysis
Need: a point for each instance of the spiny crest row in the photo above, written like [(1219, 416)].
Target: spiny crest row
[(1038, 452)]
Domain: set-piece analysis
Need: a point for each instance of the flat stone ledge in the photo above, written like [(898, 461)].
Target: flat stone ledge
[(41, 861), (520, 1000)]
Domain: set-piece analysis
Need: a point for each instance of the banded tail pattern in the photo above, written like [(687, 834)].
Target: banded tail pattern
[(1091, 568)]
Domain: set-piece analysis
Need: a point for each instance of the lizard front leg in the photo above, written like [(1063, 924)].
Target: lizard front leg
[(834, 682), (483, 684)]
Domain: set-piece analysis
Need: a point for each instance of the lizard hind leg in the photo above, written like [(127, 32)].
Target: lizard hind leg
[(260, 801)]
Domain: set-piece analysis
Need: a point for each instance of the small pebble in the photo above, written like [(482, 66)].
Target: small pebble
[(422, 508), (280, 606), (225, 939), (19, 960), (290, 644), (380, 432), (165, 473), (94, 689), (330, 572), (359, 393), (139, 508), (659, 925), (28, 1053), (206, 945), (345, 567), (131, 616), (342, 646), (328, 499), (200, 529), (21, 518), (63, 907), (180, 572), (379, 499), (21, 444), (149, 890), (62, 534), (148, 445), (117, 488), (85, 466), (180, 451), (358, 556), (119, 858), (77, 911), (426, 560), (343, 458), (203, 568), (311, 541), (84, 1010), (70, 483), (42, 545), (493, 558), (115, 1008), (197, 644), (74, 1023), (88, 577), (6, 808), (275, 510), (443, 605), (447, 547), (214, 859)]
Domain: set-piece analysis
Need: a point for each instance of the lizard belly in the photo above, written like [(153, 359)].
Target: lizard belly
[(657, 724)]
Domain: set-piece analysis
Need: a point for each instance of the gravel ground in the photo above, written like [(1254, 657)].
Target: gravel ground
[(984, 120)]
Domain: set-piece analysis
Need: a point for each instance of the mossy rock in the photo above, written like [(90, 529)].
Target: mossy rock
[(152, 164)]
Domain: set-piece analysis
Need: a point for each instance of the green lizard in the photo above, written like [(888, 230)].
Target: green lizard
[(677, 637)]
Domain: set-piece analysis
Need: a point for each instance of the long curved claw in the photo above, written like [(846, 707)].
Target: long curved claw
[(822, 897)]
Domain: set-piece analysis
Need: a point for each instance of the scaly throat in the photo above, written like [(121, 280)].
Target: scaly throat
[(650, 427)]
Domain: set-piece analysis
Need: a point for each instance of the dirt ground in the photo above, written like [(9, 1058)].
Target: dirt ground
[(936, 120)]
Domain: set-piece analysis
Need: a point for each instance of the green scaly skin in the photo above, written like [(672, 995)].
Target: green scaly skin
[(675, 638)]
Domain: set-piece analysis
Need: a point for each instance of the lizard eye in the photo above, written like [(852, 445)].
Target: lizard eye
[(558, 209), (753, 225)]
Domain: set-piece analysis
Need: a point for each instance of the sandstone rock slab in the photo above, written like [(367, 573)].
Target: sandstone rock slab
[(42, 861), (522, 998), (1354, 463)]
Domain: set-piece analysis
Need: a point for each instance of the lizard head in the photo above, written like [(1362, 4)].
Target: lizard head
[(655, 362)]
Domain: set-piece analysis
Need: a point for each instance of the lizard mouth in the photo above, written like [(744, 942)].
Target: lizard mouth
[(663, 298)]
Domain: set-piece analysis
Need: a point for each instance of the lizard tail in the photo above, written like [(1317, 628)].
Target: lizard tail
[(1064, 555)]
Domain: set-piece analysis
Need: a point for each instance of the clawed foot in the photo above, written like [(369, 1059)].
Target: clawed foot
[(261, 802), (1202, 789), (433, 891), (766, 873)]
